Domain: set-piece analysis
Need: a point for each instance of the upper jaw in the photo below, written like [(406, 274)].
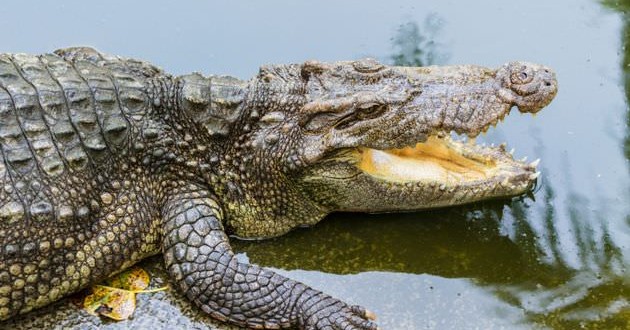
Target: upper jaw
[(473, 129)]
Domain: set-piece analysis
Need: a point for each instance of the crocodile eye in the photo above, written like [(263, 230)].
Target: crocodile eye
[(370, 110), (312, 67), (368, 107), (348, 116), (368, 65)]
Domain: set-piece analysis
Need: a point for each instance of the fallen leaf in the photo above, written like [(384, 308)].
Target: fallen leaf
[(117, 299), (132, 279), (117, 304)]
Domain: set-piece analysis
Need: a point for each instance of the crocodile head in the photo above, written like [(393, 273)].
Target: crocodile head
[(362, 136), (385, 145)]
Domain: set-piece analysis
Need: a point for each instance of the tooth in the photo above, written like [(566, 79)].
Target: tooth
[(512, 151), (534, 176), (535, 163), (524, 159)]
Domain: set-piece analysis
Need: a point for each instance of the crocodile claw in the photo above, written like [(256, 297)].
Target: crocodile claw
[(341, 316), (370, 316)]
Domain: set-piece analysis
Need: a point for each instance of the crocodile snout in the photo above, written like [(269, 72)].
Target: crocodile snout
[(528, 86)]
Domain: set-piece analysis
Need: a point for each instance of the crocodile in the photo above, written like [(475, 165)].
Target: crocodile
[(107, 160)]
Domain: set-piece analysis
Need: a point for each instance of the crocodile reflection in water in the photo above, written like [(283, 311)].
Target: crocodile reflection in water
[(419, 46)]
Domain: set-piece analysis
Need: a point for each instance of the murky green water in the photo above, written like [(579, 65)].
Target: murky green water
[(557, 260)]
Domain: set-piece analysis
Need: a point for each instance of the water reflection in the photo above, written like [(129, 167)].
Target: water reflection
[(449, 243), (415, 46), (556, 290), (623, 7)]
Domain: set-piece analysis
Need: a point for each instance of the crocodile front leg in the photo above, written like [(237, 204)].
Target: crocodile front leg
[(199, 258)]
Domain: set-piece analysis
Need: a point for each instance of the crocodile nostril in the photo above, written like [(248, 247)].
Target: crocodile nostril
[(547, 83)]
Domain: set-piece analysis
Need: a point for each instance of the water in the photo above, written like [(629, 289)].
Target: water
[(556, 261)]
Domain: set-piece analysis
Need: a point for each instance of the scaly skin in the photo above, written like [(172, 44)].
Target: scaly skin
[(106, 161)]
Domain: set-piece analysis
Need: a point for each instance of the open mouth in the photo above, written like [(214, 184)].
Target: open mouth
[(453, 164), (446, 162), (433, 160)]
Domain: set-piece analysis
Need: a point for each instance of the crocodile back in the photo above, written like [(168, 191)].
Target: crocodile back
[(67, 122), (64, 117)]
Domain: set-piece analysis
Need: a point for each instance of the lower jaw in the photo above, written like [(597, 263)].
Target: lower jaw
[(441, 172), (377, 196)]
